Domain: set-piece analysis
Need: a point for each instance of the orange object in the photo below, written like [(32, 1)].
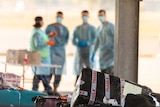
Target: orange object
[(63, 98), (50, 42), (54, 33), (25, 60), (21, 88)]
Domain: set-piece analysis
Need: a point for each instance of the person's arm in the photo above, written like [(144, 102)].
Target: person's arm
[(96, 46), (93, 35), (38, 41), (97, 40), (62, 38), (75, 38), (66, 35), (112, 34), (47, 31)]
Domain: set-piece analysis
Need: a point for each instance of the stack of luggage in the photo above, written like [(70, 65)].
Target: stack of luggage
[(94, 89), (12, 95), (98, 89)]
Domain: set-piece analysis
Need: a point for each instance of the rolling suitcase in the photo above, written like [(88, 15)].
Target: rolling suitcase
[(17, 98), (48, 101)]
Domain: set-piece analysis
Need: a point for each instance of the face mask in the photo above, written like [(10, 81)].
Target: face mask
[(59, 19), (85, 18), (101, 18)]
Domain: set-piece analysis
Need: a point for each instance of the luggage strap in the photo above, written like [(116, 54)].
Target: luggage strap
[(19, 96), (93, 88), (157, 103), (107, 87), (107, 98), (122, 83)]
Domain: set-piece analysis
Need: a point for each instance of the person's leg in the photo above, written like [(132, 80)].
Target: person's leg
[(36, 80), (46, 81), (50, 77), (57, 79), (109, 70)]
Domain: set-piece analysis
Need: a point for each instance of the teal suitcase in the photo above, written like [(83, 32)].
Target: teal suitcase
[(18, 98)]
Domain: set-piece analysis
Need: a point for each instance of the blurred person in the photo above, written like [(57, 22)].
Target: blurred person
[(59, 34), (83, 38), (105, 44), (39, 42)]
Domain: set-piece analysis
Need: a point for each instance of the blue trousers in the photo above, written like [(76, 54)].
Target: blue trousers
[(45, 80), (57, 79)]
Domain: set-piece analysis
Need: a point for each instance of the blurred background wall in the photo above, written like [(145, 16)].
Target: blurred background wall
[(16, 17)]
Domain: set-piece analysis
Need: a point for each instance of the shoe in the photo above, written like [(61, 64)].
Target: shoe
[(44, 92), (56, 94), (50, 93), (55, 89)]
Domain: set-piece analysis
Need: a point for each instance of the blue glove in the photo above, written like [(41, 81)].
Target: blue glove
[(92, 58), (82, 44)]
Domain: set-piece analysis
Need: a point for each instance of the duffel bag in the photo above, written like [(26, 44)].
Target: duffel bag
[(9, 80), (142, 100)]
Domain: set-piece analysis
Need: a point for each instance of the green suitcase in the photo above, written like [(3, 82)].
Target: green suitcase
[(18, 98)]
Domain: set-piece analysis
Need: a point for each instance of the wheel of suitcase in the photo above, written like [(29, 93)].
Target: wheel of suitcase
[(49, 101)]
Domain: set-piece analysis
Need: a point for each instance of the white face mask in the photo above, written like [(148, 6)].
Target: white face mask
[(85, 19), (101, 18), (59, 20)]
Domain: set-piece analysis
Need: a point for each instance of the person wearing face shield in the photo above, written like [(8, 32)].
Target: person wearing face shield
[(105, 44), (59, 34), (83, 38)]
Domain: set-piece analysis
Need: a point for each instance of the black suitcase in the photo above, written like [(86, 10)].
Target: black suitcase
[(85, 94), (119, 88)]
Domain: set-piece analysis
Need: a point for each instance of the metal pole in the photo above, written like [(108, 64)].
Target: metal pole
[(23, 75), (126, 39)]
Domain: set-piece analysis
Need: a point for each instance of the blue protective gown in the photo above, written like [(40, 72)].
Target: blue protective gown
[(58, 55), (83, 54), (105, 45), (38, 43)]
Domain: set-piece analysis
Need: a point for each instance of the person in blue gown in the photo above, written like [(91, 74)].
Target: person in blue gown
[(105, 44), (59, 34), (83, 38)]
